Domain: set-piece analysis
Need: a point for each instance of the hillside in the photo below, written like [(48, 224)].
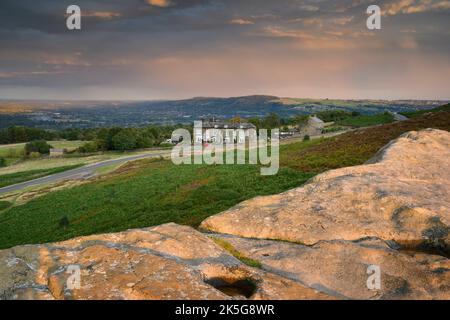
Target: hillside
[(148, 193), (356, 147), (88, 114)]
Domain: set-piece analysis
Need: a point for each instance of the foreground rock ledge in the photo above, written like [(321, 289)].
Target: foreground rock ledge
[(165, 262), (402, 194)]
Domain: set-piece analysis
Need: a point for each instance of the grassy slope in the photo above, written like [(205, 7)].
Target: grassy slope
[(13, 178), (147, 193), (18, 148), (366, 121), (356, 147), (422, 112), (151, 194), (14, 154)]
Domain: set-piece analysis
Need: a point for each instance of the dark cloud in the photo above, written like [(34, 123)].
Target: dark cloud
[(181, 48)]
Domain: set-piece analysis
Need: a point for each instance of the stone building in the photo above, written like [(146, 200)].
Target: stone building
[(313, 127), (216, 130), (54, 152)]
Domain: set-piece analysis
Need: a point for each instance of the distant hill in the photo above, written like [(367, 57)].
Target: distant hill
[(82, 114)]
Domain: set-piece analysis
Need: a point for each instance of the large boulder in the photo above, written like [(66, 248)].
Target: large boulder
[(402, 194), (164, 262), (340, 268)]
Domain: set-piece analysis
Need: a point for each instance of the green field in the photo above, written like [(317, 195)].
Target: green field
[(16, 149), (367, 121), (154, 193), (149, 192), (416, 114), (14, 153)]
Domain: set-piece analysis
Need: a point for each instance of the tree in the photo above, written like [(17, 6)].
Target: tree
[(143, 141), (236, 120), (88, 147), (39, 146), (301, 120), (124, 140), (256, 122), (272, 121)]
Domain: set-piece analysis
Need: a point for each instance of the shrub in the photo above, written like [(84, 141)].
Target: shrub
[(333, 115), (89, 147), (2, 162), (34, 155), (306, 138), (37, 146), (64, 222)]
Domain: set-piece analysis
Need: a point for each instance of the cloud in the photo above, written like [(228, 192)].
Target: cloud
[(22, 74), (102, 14), (310, 8), (409, 43), (165, 49), (312, 22), (279, 32), (415, 6), (338, 40), (159, 3), (241, 21), (343, 21)]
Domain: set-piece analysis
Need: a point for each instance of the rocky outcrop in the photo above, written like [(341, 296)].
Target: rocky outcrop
[(340, 268), (402, 194), (165, 262), (388, 218), (392, 213)]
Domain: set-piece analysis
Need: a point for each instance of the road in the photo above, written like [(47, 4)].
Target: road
[(78, 173)]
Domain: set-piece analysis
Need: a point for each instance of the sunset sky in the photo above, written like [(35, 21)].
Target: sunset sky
[(170, 49)]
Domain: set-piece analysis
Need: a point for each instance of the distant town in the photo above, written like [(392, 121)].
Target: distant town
[(89, 114)]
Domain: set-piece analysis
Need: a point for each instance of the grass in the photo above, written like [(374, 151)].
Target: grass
[(416, 114), (355, 147), (107, 169), (151, 192), (4, 205), (69, 145), (366, 121), (12, 150), (17, 150), (238, 255), (14, 155), (13, 178)]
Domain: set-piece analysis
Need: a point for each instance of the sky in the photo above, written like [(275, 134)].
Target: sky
[(174, 49)]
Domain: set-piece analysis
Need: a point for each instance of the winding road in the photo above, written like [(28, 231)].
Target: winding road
[(78, 173), (89, 170)]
